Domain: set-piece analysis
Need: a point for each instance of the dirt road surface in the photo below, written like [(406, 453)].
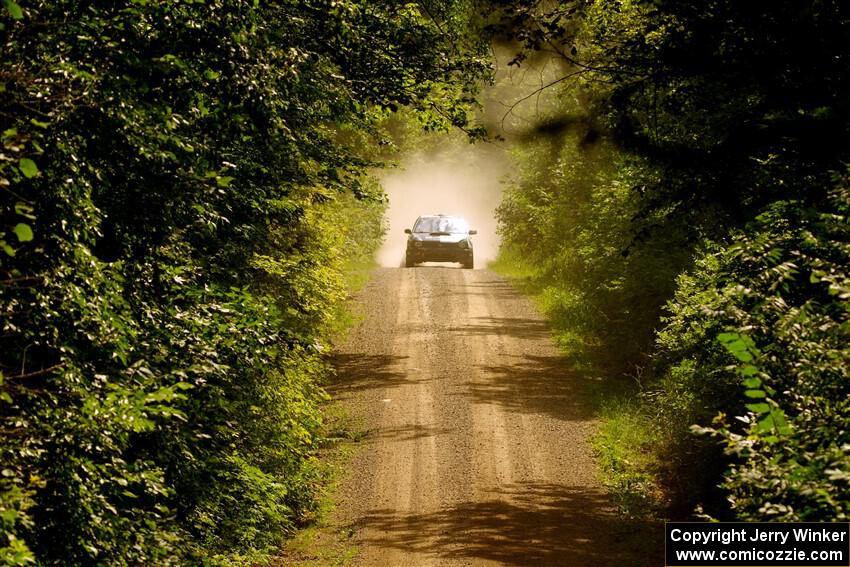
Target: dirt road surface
[(476, 451)]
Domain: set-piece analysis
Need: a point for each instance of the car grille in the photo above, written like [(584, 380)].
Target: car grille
[(434, 245)]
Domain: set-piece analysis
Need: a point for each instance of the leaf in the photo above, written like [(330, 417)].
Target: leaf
[(736, 345), (24, 210), (726, 338), (752, 383), (13, 9), (28, 168), (740, 346), (758, 408), (743, 355), (700, 430), (837, 474), (6, 248), (748, 370), (779, 420), (765, 424), (24, 232), (755, 394)]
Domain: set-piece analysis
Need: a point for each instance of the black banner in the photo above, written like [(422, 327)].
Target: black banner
[(743, 544)]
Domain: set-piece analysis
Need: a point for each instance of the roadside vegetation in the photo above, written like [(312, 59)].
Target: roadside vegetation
[(184, 186), (682, 211), (185, 196)]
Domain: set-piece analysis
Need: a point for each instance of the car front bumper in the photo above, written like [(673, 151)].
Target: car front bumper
[(439, 252)]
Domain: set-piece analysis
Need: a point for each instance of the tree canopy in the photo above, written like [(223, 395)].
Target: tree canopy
[(688, 228), (178, 180)]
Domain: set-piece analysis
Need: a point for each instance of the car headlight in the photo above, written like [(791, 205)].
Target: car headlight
[(464, 244), (417, 243)]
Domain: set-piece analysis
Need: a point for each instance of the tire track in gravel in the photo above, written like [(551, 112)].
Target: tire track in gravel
[(477, 448)]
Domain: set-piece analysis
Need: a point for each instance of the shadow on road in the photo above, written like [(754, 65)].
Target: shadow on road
[(534, 385), (516, 327), (410, 432), (496, 289), (359, 372), (521, 525)]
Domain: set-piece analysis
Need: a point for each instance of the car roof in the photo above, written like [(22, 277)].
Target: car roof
[(441, 215)]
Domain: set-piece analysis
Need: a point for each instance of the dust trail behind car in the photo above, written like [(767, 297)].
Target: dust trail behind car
[(457, 178)]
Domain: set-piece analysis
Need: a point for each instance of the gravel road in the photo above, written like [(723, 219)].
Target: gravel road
[(476, 450)]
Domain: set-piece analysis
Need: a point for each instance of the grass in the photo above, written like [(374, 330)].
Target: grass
[(347, 314), (621, 447), (521, 275), (319, 543)]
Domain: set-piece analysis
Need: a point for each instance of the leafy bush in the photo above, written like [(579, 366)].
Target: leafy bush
[(689, 155), (177, 182), (568, 217), (777, 299)]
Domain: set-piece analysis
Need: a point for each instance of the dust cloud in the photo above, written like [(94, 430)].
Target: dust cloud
[(466, 179), (458, 178)]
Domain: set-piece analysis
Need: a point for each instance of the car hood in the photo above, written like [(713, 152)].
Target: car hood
[(447, 238)]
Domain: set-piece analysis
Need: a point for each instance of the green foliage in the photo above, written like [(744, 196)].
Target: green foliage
[(783, 286), (567, 217), (14, 9), (622, 447), (721, 125), (182, 185)]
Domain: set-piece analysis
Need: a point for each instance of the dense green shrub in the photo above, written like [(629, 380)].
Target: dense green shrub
[(777, 297), (721, 125), (569, 214), (176, 182)]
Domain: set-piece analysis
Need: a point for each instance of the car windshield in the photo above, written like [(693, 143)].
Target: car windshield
[(449, 225)]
